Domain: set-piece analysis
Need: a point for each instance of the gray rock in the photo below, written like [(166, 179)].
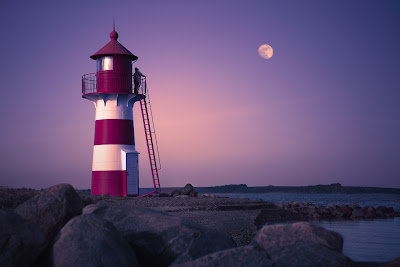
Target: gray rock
[(302, 244), (384, 212), (331, 206), (274, 237), (193, 194), (98, 206), (158, 238), (346, 210), (175, 193), (51, 209), (21, 242), (309, 254), (354, 206), (393, 263), (357, 213), (89, 240), (323, 211), (187, 189), (369, 212), (182, 196), (249, 256)]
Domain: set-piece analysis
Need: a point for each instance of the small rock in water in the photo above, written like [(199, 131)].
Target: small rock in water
[(357, 213)]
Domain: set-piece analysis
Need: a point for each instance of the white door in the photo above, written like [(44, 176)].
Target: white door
[(132, 174)]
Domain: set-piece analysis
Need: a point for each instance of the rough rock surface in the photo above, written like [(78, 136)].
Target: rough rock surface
[(302, 244), (160, 239), (175, 193), (89, 240), (187, 189), (393, 263), (249, 256), (21, 242), (51, 209), (10, 198), (274, 237), (309, 254)]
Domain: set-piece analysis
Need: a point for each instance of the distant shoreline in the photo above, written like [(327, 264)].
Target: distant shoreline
[(322, 189)]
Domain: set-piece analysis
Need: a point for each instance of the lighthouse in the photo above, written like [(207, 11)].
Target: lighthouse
[(115, 160)]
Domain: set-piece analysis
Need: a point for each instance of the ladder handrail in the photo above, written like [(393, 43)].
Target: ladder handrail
[(152, 119), (149, 138)]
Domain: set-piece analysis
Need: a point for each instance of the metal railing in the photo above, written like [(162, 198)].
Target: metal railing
[(107, 83)]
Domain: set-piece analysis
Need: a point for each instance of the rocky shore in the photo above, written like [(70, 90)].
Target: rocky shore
[(60, 226)]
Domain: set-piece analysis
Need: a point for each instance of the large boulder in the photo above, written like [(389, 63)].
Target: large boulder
[(302, 244), (158, 238), (89, 240), (187, 189), (21, 242), (310, 255), (249, 256), (52, 208)]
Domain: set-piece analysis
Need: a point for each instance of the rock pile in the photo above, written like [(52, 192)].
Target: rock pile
[(53, 229), (293, 211), (187, 191)]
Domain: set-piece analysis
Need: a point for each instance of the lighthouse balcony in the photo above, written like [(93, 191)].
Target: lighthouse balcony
[(107, 82)]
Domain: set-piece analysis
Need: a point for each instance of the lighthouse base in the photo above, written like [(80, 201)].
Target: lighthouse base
[(109, 182), (122, 176)]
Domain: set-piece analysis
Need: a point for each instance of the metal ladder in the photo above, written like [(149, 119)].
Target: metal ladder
[(148, 124)]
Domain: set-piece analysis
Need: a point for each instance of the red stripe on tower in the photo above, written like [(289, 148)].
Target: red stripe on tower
[(109, 182), (114, 132)]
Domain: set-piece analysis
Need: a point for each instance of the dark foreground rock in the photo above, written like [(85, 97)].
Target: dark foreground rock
[(21, 242), (393, 263), (158, 238), (302, 244), (10, 198), (51, 209), (89, 240), (183, 231), (249, 256)]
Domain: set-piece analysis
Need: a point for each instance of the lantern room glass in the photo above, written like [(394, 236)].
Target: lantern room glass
[(105, 63)]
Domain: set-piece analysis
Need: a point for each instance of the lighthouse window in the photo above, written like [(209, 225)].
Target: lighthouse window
[(105, 63)]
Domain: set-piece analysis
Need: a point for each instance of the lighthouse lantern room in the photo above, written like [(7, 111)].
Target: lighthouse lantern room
[(115, 161)]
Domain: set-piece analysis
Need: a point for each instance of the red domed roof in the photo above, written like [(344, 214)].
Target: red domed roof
[(113, 48)]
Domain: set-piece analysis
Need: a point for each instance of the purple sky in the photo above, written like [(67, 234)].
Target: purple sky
[(324, 109)]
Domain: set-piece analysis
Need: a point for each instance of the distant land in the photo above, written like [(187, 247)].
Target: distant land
[(325, 189)]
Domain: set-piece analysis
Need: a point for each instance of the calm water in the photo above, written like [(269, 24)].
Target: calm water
[(364, 240)]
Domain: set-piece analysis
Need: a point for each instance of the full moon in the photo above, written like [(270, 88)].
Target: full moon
[(265, 51)]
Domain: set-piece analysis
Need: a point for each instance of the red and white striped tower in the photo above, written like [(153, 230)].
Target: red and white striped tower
[(115, 161)]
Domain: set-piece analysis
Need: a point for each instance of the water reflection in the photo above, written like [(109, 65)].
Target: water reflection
[(368, 240)]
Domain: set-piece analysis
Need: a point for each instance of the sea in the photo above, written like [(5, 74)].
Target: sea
[(375, 240)]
